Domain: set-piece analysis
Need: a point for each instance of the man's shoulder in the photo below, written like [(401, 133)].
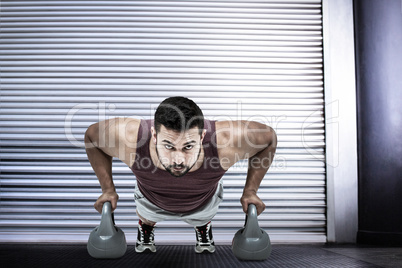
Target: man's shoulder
[(238, 136), (128, 134), (238, 126), (229, 128), (131, 123), (121, 125), (227, 141)]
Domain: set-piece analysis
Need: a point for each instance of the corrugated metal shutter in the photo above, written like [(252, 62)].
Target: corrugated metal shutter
[(68, 64)]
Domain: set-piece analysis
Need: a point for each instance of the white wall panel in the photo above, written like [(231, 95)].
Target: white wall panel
[(68, 64)]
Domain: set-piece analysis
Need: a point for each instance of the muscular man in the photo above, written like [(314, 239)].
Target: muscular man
[(179, 159)]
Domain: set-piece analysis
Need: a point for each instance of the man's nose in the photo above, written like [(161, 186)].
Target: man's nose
[(178, 158)]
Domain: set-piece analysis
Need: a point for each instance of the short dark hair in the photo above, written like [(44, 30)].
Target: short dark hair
[(178, 114)]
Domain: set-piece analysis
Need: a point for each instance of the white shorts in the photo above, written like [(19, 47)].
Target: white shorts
[(200, 217)]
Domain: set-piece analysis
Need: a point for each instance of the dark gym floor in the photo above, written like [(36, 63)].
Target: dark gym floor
[(56, 256)]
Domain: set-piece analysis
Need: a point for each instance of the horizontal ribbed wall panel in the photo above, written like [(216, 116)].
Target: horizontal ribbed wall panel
[(68, 64)]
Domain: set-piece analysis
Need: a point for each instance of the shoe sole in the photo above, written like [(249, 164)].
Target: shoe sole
[(204, 250), (145, 250)]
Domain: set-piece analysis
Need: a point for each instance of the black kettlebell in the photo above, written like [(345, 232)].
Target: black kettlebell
[(251, 242)]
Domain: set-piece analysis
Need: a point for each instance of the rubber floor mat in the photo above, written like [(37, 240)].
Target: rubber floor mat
[(76, 256)]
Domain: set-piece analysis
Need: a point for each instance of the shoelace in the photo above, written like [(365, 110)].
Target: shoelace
[(147, 233), (203, 234)]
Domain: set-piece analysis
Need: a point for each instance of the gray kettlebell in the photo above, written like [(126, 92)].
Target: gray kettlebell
[(107, 241), (251, 242)]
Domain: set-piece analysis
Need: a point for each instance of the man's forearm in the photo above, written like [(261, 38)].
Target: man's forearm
[(101, 164), (258, 166)]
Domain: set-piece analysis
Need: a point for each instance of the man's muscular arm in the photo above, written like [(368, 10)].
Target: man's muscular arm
[(261, 144), (247, 140), (103, 141)]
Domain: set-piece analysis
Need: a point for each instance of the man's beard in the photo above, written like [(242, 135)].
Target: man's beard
[(170, 168)]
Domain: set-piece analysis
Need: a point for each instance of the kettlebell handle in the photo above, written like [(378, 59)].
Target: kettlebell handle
[(107, 208), (252, 229), (106, 227), (252, 211)]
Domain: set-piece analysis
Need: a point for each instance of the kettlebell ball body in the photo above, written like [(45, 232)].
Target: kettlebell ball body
[(107, 241), (251, 242)]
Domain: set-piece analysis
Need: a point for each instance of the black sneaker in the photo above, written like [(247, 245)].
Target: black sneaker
[(145, 238), (204, 238)]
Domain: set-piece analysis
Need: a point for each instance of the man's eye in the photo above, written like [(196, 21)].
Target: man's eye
[(169, 147), (189, 147)]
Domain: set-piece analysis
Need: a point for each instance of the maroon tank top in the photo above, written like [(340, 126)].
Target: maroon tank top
[(177, 194)]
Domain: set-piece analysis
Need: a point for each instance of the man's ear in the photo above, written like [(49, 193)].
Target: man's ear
[(204, 131), (153, 133)]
